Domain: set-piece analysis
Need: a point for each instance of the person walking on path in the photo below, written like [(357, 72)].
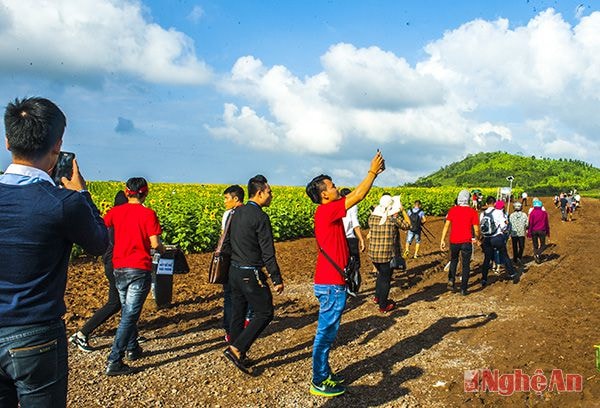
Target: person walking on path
[(524, 199), (518, 222), (416, 219), (233, 197), (329, 286), (384, 227), (80, 339), (494, 231), (563, 207), (538, 230), (137, 231), (463, 222), (40, 224), (250, 240)]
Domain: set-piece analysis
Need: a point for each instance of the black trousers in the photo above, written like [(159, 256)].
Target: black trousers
[(248, 287), (518, 246), (538, 239), (465, 249), (489, 245), (111, 307), (353, 247), (382, 286)]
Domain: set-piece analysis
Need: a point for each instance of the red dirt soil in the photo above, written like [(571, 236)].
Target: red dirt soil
[(415, 356)]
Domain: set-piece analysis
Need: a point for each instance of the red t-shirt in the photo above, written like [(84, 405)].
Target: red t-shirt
[(462, 218), (133, 225), (329, 232)]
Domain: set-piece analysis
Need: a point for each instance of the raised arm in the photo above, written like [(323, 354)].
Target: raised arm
[(361, 191)]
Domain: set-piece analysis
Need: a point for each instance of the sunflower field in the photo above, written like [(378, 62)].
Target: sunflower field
[(190, 214)]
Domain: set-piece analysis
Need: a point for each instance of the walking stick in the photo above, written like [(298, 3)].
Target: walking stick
[(426, 233)]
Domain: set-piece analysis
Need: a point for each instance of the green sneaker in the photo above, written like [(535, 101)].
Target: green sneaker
[(327, 388), (338, 379)]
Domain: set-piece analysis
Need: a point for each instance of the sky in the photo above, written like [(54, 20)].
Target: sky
[(218, 91)]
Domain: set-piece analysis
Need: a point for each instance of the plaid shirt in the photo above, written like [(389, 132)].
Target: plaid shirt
[(383, 238)]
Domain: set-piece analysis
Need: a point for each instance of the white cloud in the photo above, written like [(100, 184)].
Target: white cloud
[(246, 127), (78, 40), (481, 87), (196, 14)]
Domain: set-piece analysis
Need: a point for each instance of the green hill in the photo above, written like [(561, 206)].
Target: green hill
[(535, 175)]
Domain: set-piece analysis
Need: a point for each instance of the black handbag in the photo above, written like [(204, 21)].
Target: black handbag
[(351, 273), (218, 270)]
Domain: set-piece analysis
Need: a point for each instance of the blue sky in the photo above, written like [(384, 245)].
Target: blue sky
[(218, 91)]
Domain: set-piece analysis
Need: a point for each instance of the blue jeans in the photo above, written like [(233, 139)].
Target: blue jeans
[(332, 300), (33, 365), (133, 286), (412, 235)]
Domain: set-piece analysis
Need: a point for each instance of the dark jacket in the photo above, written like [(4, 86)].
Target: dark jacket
[(38, 225)]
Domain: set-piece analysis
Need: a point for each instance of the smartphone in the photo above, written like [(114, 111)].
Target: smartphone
[(383, 164), (63, 168)]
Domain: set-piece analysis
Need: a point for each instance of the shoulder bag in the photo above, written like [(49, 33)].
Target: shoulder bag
[(351, 273), (218, 270)]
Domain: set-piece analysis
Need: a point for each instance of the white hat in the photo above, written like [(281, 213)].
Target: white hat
[(388, 205)]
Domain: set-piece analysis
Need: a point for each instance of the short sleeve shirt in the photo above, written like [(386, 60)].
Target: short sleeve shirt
[(329, 233), (133, 225), (224, 219), (351, 221), (463, 219)]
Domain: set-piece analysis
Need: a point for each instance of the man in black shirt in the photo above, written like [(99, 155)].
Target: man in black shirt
[(250, 239)]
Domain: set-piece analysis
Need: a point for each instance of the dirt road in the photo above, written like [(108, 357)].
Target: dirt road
[(415, 356)]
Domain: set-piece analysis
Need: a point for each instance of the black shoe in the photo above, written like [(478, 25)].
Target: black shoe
[(451, 285), (538, 260), (464, 292), (134, 354), (117, 368), (236, 361), (142, 339), (483, 284)]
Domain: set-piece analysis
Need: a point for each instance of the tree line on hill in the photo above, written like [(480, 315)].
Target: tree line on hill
[(543, 176)]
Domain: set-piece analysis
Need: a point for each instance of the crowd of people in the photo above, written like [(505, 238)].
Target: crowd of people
[(41, 222)]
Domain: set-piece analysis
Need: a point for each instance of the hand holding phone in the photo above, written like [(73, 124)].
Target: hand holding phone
[(63, 167), (378, 163), (66, 173)]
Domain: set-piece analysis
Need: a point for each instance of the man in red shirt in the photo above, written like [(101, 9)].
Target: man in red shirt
[(136, 231), (329, 286), (463, 222)]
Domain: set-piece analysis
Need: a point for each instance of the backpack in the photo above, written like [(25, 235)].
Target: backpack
[(415, 221), (487, 226)]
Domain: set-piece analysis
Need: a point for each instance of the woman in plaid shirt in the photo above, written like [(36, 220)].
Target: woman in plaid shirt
[(384, 226)]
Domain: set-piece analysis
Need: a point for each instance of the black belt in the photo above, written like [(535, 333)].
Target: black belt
[(237, 265)]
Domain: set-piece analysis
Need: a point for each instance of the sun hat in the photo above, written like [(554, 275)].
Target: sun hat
[(499, 205), (537, 203), (517, 205), (388, 205)]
